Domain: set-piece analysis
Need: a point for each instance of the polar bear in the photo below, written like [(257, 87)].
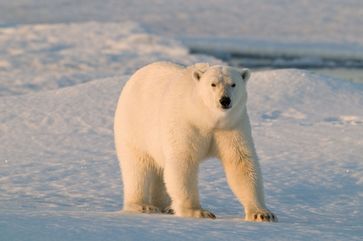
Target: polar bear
[(170, 118)]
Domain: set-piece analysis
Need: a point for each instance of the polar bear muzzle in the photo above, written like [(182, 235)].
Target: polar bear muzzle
[(225, 101)]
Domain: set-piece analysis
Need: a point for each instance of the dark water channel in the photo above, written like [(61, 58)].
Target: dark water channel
[(346, 69), (343, 69)]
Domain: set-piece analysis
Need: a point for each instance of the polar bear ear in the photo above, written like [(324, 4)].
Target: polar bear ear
[(197, 74), (199, 70), (245, 74)]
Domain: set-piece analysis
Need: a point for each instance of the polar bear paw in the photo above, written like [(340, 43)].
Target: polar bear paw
[(204, 214), (168, 210), (141, 208), (261, 216), (195, 213)]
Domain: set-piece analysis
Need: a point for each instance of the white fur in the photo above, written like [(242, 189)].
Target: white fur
[(168, 120)]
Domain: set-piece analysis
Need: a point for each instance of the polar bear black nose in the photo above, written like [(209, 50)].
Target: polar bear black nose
[(225, 102)]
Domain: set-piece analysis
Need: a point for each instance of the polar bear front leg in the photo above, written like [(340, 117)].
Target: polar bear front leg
[(181, 179), (242, 169), (246, 182)]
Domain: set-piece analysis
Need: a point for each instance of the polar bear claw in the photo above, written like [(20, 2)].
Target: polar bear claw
[(141, 208), (261, 216)]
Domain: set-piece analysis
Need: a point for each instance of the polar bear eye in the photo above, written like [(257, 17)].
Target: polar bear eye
[(233, 85), (213, 85)]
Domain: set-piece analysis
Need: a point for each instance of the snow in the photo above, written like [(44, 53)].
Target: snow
[(57, 142), (43, 57), (279, 25), (60, 77), (330, 20)]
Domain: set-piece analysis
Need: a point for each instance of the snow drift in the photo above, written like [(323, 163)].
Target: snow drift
[(59, 167)]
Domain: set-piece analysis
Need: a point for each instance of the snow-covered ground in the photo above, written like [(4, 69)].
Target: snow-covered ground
[(42, 57), (62, 68), (60, 178), (328, 25), (302, 20)]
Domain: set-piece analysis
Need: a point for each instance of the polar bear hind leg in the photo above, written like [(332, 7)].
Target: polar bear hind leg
[(158, 194), (136, 181)]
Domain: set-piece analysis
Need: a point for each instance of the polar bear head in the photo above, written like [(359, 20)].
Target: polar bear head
[(222, 88)]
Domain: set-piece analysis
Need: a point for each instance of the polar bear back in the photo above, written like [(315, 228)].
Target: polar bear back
[(138, 114)]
